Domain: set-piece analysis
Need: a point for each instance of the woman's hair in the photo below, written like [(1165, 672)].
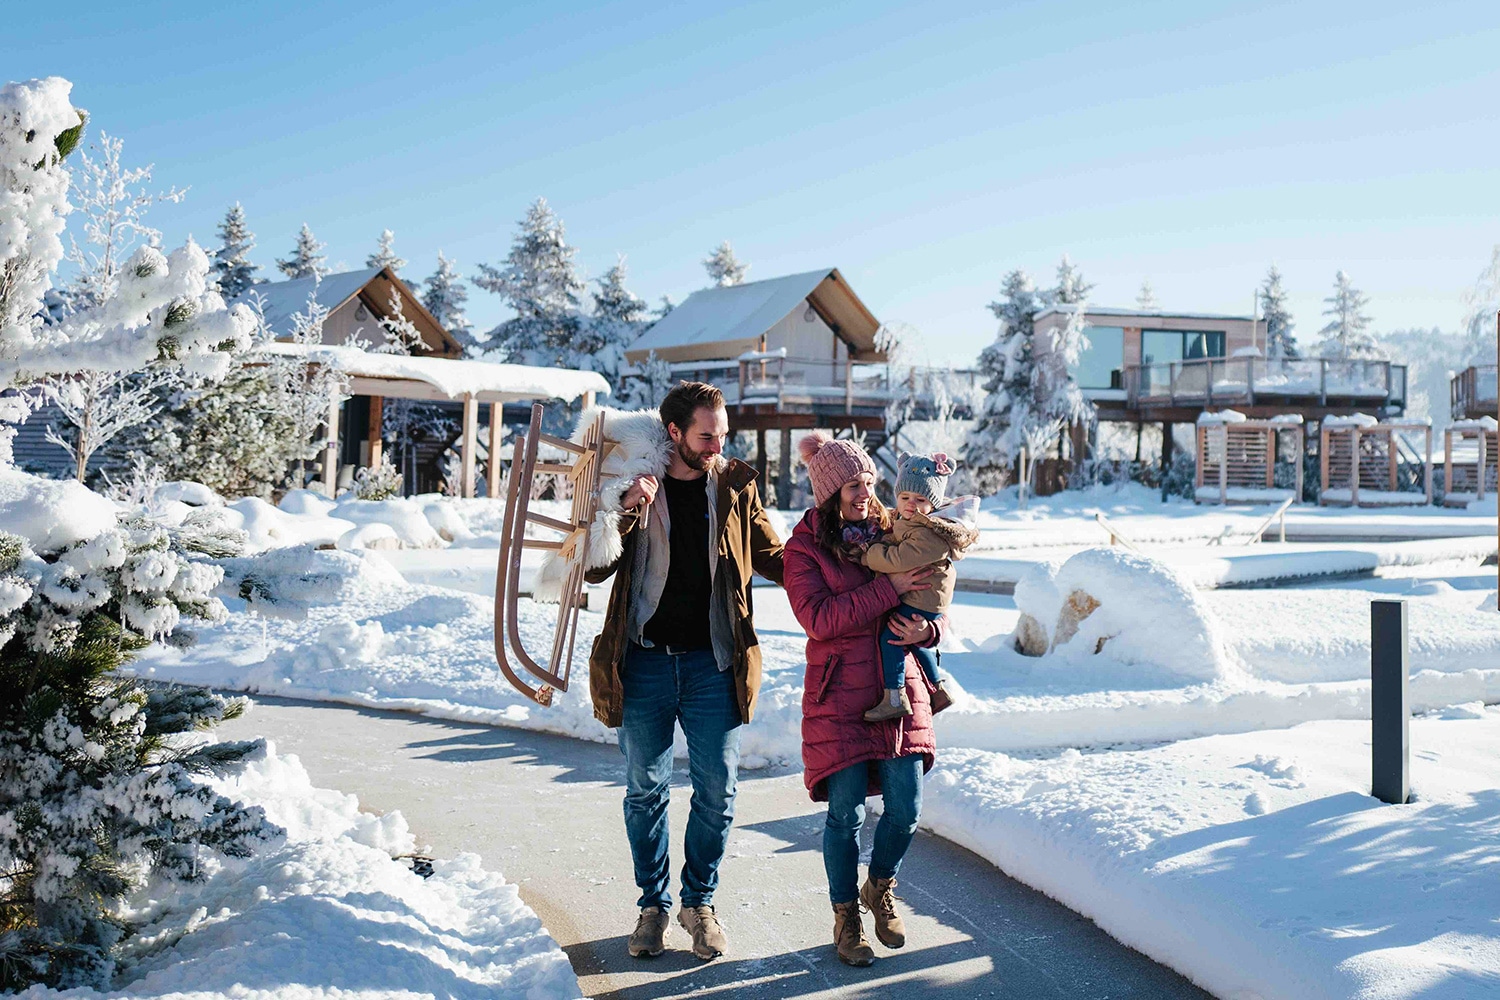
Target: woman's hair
[(830, 534)]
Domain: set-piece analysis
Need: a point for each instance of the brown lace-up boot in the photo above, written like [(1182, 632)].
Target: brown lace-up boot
[(849, 935), (646, 940), (879, 897)]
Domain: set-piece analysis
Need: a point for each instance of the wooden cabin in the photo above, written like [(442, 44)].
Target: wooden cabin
[(1471, 460), (791, 353), (1237, 458), (1361, 460)]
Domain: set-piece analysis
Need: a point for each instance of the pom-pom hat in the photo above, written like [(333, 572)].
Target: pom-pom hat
[(831, 463), (924, 475)]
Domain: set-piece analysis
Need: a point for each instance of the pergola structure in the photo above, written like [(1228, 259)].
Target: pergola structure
[(1471, 460), (1237, 457), (1360, 457), (434, 379)]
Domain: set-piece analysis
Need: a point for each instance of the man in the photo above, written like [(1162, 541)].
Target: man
[(678, 646)]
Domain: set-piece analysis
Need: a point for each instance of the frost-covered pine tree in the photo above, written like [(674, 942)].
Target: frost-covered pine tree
[(665, 306), (1346, 335), (1007, 368), (307, 259), (723, 267), (644, 386), (401, 334), (1281, 339), (1481, 303), (1070, 289), (307, 389), (1145, 299), (385, 253), (540, 282), (618, 319), (231, 261), (444, 295)]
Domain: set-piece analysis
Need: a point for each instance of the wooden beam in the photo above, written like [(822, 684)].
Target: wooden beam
[(492, 475), (468, 445), (375, 435), (331, 450)]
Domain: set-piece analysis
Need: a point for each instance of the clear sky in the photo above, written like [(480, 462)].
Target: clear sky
[(924, 149)]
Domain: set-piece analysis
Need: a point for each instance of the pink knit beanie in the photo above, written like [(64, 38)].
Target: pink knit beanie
[(832, 463)]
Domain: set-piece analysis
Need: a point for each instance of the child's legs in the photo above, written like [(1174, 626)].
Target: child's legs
[(926, 656), (892, 658)]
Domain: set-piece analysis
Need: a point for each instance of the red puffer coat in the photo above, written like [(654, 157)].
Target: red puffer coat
[(841, 605)]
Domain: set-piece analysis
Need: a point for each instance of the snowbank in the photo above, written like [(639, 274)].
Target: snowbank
[(267, 527), (330, 913), (1145, 613), (51, 513), (1204, 852)]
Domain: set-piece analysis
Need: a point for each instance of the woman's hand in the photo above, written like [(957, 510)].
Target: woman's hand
[(909, 580), (910, 630)]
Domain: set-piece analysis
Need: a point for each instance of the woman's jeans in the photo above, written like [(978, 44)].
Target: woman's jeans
[(893, 658), (662, 689), (901, 787)]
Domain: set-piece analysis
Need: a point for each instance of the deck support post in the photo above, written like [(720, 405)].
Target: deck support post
[(784, 471), (492, 468), (331, 450)]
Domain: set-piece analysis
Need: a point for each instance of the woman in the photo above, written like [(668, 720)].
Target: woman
[(841, 606)]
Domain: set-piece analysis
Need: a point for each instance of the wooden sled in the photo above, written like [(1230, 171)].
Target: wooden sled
[(582, 471)]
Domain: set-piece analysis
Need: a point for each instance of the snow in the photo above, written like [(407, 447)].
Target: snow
[(453, 378), (1352, 420), (269, 527), (1241, 494), (1222, 417), (1485, 423), (1257, 865), (50, 513), (329, 912), (1382, 498)]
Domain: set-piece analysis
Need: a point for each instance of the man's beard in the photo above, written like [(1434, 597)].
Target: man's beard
[(695, 460)]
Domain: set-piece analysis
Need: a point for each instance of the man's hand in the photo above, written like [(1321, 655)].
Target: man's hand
[(642, 491)]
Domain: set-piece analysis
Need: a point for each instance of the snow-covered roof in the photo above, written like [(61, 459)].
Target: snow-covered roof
[(1093, 310), (281, 300), (1486, 423), (451, 378), (734, 317)]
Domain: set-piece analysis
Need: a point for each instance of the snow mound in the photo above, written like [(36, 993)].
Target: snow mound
[(268, 527), (286, 583), (1135, 609), (375, 535), (51, 513), (190, 493), (406, 519), (305, 502)]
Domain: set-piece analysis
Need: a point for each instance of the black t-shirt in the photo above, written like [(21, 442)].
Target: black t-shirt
[(681, 619)]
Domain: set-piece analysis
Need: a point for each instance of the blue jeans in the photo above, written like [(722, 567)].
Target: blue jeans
[(662, 689), (893, 658), (901, 787)]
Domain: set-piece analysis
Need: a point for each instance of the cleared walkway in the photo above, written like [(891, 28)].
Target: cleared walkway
[(546, 811)]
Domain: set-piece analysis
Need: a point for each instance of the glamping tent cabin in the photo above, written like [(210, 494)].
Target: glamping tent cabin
[(787, 352), (356, 303)]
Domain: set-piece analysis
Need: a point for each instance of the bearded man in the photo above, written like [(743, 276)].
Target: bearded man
[(679, 646)]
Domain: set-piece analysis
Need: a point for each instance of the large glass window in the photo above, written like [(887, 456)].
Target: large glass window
[(1161, 346), (1104, 356)]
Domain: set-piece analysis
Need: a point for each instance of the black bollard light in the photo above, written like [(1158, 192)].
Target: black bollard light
[(1390, 711)]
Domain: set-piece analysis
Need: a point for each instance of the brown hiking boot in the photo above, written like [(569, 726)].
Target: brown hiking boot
[(941, 699), (888, 709), (709, 941), (849, 935), (879, 897), (646, 941)]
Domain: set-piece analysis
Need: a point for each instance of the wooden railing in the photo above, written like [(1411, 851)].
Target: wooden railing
[(775, 379), (1472, 392), (1226, 381)]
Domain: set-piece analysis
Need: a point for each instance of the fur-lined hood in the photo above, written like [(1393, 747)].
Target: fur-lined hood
[(955, 533)]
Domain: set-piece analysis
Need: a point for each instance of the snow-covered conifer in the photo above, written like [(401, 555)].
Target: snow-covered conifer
[(1482, 302), (723, 267), (1346, 335), (644, 386), (444, 295), (1070, 289), (1006, 366), (307, 259), (1145, 299), (231, 261), (665, 306), (1281, 340), (385, 253), (308, 388), (401, 334), (617, 319), (540, 282)]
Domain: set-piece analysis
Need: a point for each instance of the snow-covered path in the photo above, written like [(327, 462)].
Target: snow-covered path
[(545, 810)]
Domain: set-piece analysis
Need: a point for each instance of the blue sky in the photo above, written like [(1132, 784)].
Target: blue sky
[(923, 149)]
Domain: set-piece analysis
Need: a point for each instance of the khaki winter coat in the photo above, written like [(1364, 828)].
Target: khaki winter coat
[(923, 541), (746, 544)]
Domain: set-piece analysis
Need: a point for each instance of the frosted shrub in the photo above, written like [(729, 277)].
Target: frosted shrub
[(379, 483), (98, 779)]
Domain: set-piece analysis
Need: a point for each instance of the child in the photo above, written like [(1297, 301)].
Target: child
[(927, 532)]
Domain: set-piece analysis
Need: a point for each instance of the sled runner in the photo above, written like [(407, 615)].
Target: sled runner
[(582, 469)]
